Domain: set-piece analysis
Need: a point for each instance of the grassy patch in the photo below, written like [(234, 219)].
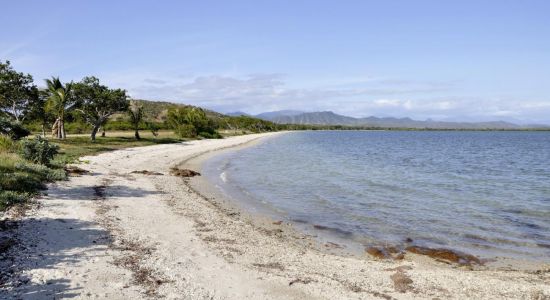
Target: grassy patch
[(80, 145), (21, 179)]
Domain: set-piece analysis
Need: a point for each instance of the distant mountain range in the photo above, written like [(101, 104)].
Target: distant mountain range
[(330, 118)]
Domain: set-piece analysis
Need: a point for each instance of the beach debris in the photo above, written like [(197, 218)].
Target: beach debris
[(300, 280), (353, 286), (183, 172), (332, 245), (385, 252), (401, 281), (377, 252), (400, 268), (277, 222), (75, 171), (445, 255), (146, 172), (272, 265)]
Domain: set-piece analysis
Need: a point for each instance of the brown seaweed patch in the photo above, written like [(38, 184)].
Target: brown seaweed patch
[(183, 172), (146, 172), (388, 252), (377, 252), (445, 255), (75, 171)]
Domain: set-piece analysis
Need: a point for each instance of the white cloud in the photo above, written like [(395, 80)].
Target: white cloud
[(264, 92)]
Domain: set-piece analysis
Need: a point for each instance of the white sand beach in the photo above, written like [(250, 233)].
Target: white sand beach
[(114, 234)]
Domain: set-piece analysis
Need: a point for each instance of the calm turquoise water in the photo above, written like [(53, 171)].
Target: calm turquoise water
[(485, 193)]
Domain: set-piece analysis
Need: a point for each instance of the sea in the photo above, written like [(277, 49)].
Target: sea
[(485, 193)]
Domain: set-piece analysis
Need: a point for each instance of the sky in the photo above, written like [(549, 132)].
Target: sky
[(441, 60)]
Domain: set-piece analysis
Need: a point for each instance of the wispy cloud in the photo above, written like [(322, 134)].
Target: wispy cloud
[(373, 96)]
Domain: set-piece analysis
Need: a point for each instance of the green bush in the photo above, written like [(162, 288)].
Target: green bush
[(186, 131), (12, 129), (191, 122), (38, 150), (210, 135)]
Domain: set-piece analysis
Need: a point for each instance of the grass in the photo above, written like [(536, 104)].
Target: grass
[(20, 179), (76, 146)]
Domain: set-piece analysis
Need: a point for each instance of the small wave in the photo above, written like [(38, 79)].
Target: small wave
[(223, 177)]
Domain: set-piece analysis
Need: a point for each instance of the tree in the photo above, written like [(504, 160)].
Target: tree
[(97, 102), (59, 102), (37, 111), (192, 122), (136, 116), (17, 92)]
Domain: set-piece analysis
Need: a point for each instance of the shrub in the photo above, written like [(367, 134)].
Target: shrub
[(20, 182), (191, 122), (38, 150), (208, 135), (154, 127), (9, 198), (12, 129), (186, 130)]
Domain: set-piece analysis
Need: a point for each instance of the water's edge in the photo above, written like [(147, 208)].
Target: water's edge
[(264, 216)]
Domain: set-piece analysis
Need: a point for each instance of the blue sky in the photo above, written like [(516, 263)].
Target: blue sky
[(445, 60)]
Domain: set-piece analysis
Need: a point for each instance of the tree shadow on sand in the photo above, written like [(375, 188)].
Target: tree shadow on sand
[(44, 244), (86, 192)]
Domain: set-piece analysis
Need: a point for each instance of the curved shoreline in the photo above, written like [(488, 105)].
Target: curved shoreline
[(319, 237), (320, 241), (120, 233)]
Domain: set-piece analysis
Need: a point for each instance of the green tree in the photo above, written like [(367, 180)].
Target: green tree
[(97, 102), (192, 122), (136, 117), (59, 102), (17, 92)]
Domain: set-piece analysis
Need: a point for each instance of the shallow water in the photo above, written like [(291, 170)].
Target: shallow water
[(484, 193)]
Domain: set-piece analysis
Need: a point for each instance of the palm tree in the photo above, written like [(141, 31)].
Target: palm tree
[(58, 102), (136, 115)]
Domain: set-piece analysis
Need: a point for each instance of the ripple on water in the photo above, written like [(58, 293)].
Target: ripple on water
[(484, 193)]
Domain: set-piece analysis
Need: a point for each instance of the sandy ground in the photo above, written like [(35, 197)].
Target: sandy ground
[(114, 234)]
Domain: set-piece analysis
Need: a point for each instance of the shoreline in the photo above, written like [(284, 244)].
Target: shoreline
[(321, 241), (316, 236), (119, 233)]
